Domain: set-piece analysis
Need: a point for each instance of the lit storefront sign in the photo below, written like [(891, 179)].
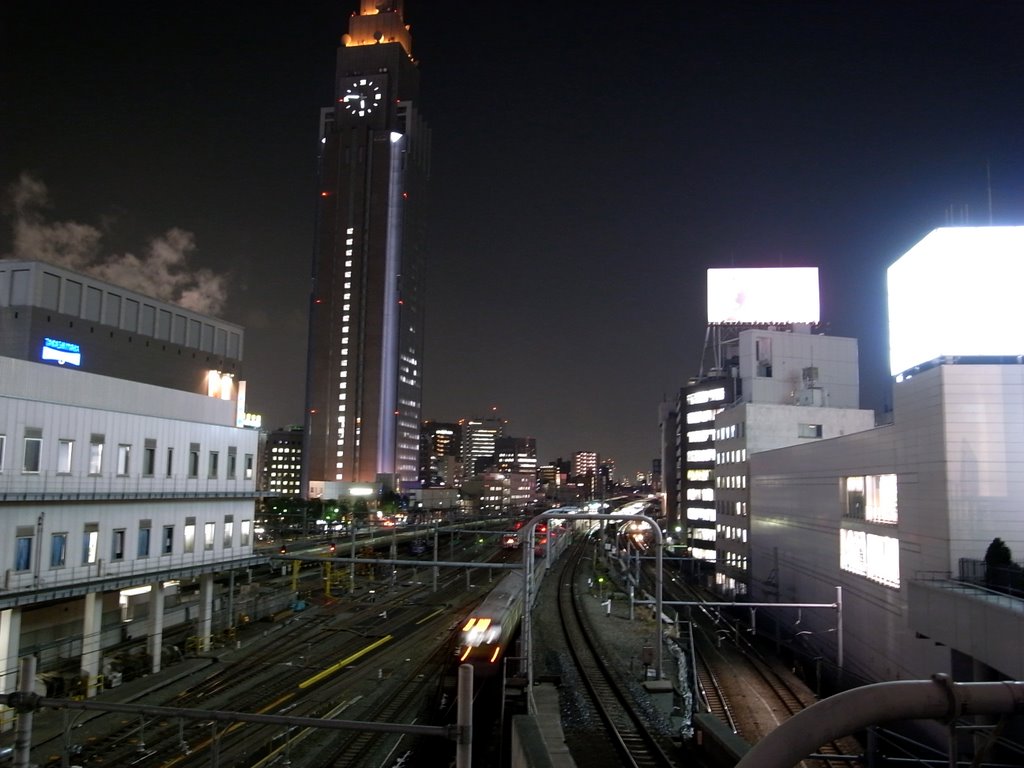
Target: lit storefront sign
[(61, 352)]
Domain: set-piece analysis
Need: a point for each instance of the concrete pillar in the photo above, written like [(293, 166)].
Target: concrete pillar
[(205, 611), (92, 627), (155, 640), (10, 643)]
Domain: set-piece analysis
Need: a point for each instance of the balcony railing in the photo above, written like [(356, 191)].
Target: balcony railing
[(51, 486), (48, 583)]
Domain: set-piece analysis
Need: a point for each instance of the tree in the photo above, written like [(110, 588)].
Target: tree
[(1001, 572)]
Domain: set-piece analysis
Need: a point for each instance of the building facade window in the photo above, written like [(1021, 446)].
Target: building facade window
[(871, 498), (232, 462), (117, 544), (33, 450), (248, 466), (65, 452), (58, 550), (96, 454), (90, 543), (167, 547), (229, 531), (3, 451), (246, 533), (170, 463), (809, 430), (149, 458), (23, 539), (213, 465), (142, 550), (190, 535), (124, 455), (209, 535), (193, 460)]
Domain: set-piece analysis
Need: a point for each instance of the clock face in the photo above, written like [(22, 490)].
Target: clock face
[(362, 97)]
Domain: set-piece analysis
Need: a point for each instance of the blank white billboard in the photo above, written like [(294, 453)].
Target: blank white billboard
[(957, 293), (765, 296)]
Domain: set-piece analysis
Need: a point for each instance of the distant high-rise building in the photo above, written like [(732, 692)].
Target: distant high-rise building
[(584, 463), (440, 450), (480, 443), (282, 461), (364, 384), (517, 454)]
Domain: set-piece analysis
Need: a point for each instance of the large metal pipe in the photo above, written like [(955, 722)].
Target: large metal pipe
[(850, 711)]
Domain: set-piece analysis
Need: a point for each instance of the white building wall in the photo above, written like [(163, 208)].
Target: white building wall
[(835, 357), (983, 421), (72, 405), (957, 448), (775, 426)]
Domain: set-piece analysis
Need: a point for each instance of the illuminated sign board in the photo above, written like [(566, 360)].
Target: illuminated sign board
[(220, 385), (766, 296), (957, 293), (61, 352)]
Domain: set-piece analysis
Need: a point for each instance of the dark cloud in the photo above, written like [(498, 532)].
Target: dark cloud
[(162, 271)]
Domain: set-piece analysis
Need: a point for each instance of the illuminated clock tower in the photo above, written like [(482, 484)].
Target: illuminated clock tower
[(364, 389)]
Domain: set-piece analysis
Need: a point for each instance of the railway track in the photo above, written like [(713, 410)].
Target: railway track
[(729, 666), (356, 748), (629, 742), (265, 680), (711, 694)]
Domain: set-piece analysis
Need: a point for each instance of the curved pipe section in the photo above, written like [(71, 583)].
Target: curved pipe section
[(849, 711)]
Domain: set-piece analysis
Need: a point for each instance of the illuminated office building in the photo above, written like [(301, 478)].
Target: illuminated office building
[(365, 353), (282, 461), (480, 443), (440, 453)]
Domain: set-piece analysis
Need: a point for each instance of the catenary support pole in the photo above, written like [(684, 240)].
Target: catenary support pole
[(23, 732), (464, 744)]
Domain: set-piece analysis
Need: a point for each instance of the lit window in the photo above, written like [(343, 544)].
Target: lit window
[(65, 449), (190, 535)]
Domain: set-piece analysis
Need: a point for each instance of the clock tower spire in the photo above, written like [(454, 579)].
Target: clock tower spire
[(379, 21)]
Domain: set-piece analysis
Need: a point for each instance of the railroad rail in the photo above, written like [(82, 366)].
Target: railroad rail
[(723, 651), (630, 741)]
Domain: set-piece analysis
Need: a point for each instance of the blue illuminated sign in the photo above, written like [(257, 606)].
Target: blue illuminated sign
[(61, 352)]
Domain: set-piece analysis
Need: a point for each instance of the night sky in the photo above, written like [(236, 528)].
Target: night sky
[(590, 162)]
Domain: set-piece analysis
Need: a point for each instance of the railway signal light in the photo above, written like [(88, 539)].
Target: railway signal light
[(333, 547), (283, 550)]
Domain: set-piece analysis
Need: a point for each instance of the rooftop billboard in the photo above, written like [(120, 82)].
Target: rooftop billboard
[(765, 296), (957, 293)]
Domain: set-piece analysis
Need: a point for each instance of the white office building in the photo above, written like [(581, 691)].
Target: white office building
[(890, 521), (124, 470)]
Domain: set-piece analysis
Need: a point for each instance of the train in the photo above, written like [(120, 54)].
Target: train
[(487, 631), (489, 628)]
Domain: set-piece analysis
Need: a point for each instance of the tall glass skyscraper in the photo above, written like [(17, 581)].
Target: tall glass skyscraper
[(363, 395)]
